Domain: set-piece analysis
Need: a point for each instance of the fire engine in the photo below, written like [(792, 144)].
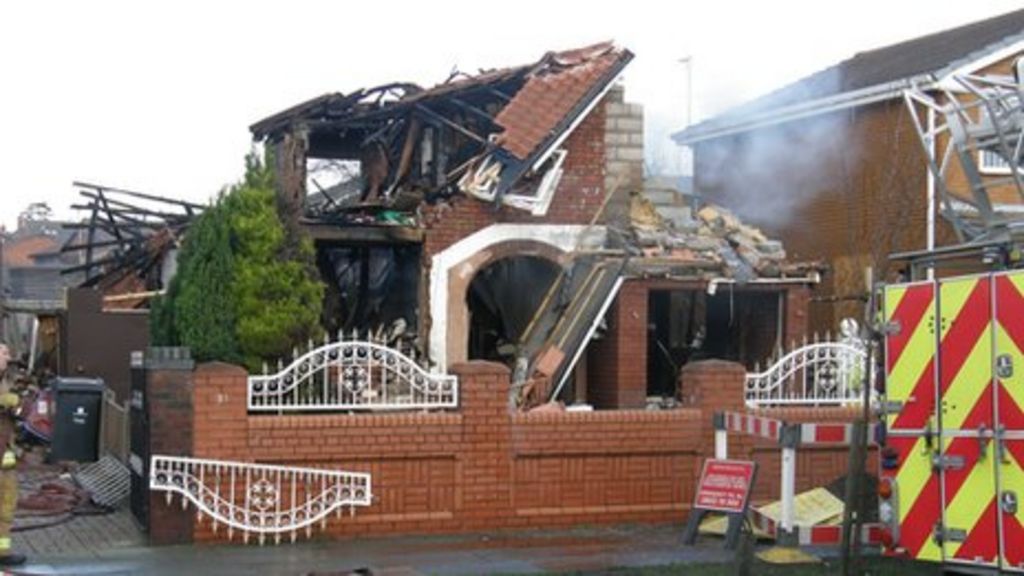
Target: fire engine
[(951, 404)]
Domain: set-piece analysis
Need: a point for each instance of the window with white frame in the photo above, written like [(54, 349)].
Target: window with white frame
[(989, 162)]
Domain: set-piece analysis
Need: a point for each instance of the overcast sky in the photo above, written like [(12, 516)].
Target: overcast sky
[(158, 97)]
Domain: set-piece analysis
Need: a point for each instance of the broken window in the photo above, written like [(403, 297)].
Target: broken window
[(502, 300), (740, 325), (371, 288), (331, 182)]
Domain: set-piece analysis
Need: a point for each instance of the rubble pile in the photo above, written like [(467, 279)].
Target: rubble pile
[(712, 240)]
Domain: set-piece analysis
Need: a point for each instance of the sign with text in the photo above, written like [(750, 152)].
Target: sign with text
[(725, 485)]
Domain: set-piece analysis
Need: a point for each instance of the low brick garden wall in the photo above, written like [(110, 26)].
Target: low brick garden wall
[(482, 467)]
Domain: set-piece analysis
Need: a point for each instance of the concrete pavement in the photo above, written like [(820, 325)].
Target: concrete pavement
[(501, 553)]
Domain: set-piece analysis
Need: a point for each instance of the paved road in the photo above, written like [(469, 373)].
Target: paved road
[(517, 553)]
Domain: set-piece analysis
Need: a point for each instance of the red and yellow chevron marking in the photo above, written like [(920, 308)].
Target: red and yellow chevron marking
[(918, 496), (970, 498), (965, 354), (1011, 478), (1009, 291), (910, 354)]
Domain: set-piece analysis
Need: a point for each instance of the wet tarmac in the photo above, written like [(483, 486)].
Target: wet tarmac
[(591, 549)]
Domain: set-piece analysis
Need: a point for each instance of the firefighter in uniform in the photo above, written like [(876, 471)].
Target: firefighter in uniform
[(9, 402)]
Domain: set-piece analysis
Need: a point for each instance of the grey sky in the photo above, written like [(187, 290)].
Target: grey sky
[(158, 96)]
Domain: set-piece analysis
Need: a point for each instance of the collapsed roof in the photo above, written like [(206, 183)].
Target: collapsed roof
[(494, 135), (695, 244), (123, 245)]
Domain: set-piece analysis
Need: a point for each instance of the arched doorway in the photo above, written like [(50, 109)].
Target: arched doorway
[(501, 300)]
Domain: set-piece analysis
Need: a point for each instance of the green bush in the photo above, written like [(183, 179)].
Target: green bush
[(239, 294)]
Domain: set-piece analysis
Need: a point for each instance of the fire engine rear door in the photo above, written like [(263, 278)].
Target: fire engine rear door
[(969, 531), (910, 344), (1009, 369)]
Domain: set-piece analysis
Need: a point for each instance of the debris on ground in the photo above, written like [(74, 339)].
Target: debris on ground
[(815, 507)]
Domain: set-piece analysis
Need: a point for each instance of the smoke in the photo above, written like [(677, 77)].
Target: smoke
[(769, 175)]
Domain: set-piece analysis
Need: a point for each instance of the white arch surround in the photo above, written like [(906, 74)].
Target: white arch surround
[(563, 237)]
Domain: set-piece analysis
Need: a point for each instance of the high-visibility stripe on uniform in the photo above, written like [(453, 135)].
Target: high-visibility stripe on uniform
[(911, 354)]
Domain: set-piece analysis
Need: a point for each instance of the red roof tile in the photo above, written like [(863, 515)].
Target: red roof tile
[(552, 91), (18, 252)]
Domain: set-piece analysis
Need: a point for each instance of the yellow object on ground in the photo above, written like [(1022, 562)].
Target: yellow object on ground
[(811, 508), (716, 526), (783, 555)]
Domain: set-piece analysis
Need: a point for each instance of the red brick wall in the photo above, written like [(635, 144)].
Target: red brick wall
[(484, 468), (850, 199), (577, 198), (171, 428), (617, 364), (617, 371)]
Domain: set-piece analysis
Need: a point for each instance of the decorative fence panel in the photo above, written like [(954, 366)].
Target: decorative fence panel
[(818, 373), (352, 375), (260, 499)]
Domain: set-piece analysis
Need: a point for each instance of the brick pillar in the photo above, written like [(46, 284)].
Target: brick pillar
[(221, 413), (618, 374), (486, 457), (797, 314), (713, 386), (169, 405)]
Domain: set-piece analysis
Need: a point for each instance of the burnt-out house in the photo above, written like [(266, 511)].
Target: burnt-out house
[(498, 216)]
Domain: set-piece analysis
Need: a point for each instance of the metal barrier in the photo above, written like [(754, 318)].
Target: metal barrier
[(352, 375), (790, 437), (259, 499)]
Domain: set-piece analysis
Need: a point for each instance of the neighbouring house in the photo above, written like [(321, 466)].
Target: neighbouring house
[(67, 282), (833, 166), (501, 216), (33, 288)]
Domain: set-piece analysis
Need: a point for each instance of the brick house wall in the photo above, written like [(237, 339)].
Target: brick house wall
[(617, 363), (859, 196), (482, 467), (577, 198), (868, 198)]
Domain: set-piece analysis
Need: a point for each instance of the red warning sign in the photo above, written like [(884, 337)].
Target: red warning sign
[(725, 485)]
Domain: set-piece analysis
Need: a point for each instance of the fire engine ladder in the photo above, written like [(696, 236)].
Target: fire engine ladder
[(983, 117)]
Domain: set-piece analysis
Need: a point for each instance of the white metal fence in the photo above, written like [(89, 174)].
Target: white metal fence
[(817, 373), (352, 375), (259, 499)]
